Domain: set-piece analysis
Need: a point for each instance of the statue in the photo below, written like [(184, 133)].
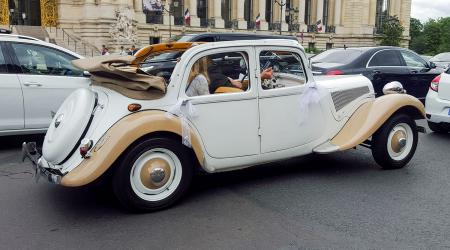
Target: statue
[(123, 30)]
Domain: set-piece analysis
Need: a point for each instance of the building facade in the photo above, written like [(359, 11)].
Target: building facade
[(317, 23)]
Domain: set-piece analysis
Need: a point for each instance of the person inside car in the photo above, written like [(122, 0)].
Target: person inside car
[(198, 79)]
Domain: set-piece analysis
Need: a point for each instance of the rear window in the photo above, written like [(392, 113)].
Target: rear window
[(341, 56)]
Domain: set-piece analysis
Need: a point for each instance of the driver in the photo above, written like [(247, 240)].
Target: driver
[(218, 79)]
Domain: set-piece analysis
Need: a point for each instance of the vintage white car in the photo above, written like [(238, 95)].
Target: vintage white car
[(149, 135)]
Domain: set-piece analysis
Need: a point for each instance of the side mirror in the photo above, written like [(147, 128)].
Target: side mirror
[(86, 73), (432, 65), (393, 88)]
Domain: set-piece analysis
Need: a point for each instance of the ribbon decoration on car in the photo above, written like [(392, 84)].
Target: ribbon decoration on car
[(184, 110), (311, 95)]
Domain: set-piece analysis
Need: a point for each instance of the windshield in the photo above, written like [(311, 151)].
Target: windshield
[(338, 56), (444, 57), (165, 56), (185, 38)]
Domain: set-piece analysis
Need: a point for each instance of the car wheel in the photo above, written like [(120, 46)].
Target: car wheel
[(395, 143), (438, 128), (153, 175)]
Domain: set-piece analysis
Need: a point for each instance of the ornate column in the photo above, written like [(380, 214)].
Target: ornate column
[(138, 11), (301, 15), (337, 12), (49, 13), (218, 20), (4, 12), (242, 24), (284, 25), (262, 15), (166, 14), (195, 21)]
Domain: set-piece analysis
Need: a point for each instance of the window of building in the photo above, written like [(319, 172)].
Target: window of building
[(177, 8), (42, 60), (226, 10), (269, 10), (286, 67), (219, 73), (202, 12), (326, 12), (154, 17), (154, 40), (308, 11), (382, 13), (386, 58), (248, 11)]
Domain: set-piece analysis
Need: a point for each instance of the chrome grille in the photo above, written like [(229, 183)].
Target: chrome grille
[(343, 97)]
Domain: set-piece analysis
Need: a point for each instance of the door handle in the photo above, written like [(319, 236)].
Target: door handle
[(32, 84), (376, 72), (414, 71)]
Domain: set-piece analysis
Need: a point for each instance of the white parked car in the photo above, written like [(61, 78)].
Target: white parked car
[(437, 103), (150, 135), (35, 78)]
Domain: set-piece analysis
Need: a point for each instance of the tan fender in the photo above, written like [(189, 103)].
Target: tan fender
[(370, 116), (118, 138)]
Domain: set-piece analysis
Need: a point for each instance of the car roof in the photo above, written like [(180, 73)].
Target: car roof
[(236, 34), (32, 40)]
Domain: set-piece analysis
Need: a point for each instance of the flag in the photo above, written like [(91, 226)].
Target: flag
[(258, 20), (187, 17), (319, 25)]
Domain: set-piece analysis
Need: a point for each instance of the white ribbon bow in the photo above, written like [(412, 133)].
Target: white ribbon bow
[(184, 110), (311, 94)]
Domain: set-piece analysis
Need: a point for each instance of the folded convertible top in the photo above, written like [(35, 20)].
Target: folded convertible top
[(118, 70)]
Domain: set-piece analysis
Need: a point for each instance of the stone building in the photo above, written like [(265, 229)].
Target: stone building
[(114, 22)]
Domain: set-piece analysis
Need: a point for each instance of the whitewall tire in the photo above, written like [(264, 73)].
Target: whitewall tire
[(395, 143), (153, 174)]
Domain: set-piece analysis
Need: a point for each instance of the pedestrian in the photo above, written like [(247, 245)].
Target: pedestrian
[(122, 51), (133, 50), (105, 50)]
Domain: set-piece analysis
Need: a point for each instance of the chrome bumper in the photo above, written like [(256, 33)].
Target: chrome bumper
[(30, 151)]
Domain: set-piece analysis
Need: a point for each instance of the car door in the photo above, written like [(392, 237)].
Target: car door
[(283, 125), (47, 78), (386, 66), (421, 74), (11, 99), (227, 122)]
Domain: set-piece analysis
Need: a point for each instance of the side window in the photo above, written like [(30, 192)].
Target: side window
[(386, 58), (218, 74), (413, 60), (41, 60), (281, 69), (3, 66)]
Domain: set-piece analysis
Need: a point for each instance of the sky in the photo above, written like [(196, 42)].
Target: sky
[(426, 9)]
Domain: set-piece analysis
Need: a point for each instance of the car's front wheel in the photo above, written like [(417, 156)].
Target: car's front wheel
[(153, 175), (395, 143)]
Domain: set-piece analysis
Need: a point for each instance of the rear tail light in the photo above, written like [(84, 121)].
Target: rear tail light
[(85, 145), (335, 72), (435, 83)]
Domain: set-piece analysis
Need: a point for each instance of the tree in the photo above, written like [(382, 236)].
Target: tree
[(417, 42), (392, 32)]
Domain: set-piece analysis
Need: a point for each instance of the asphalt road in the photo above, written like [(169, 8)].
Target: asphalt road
[(338, 201)]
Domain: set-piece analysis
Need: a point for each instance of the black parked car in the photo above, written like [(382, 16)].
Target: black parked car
[(163, 65), (381, 65)]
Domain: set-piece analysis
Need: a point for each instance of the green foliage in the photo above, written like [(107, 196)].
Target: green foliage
[(430, 38), (392, 32)]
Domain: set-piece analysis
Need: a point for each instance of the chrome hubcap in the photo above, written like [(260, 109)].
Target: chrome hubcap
[(400, 141)]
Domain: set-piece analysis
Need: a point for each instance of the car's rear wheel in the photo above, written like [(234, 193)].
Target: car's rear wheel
[(395, 143), (438, 128), (153, 175)]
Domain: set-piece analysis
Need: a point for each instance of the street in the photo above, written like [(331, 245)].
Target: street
[(340, 201)]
